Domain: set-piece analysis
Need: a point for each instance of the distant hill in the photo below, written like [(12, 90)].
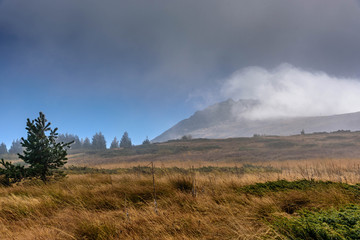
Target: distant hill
[(336, 145), (219, 121)]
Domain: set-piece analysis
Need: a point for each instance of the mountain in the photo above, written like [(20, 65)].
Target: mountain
[(219, 121)]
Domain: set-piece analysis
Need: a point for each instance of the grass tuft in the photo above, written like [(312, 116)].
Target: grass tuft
[(183, 183)]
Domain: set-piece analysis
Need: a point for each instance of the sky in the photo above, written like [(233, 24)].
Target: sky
[(141, 66)]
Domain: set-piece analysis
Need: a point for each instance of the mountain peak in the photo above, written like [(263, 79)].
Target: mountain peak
[(228, 119), (211, 116)]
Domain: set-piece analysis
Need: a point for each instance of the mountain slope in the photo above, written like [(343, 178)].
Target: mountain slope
[(218, 121)]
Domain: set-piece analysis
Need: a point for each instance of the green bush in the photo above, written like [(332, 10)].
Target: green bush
[(331, 224)]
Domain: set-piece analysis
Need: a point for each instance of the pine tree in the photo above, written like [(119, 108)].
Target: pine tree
[(77, 143), (146, 141), (3, 149), (114, 144), (42, 151), (86, 144), (125, 141), (186, 137), (98, 141)]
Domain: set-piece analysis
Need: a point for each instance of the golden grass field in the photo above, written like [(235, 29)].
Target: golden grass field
[(193, 201)]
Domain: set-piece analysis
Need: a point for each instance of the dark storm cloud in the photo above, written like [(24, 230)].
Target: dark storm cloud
[(179, 45)]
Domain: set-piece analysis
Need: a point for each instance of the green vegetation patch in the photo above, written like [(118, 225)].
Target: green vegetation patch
[(261, 189), (329, 224)]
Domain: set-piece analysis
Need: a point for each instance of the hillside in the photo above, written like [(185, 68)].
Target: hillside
[(341, 145), (219, 121)]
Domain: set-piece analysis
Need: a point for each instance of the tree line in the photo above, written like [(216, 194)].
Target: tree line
[(14, 149), (97, 142)]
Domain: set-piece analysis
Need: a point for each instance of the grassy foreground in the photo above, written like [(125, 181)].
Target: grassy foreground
[(190, 204)]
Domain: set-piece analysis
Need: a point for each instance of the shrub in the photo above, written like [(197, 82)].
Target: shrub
[(331, 224)]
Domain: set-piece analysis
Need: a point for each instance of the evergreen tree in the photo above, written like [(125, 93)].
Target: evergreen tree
[(114, 144), (186, 137), (86, 144), (77, 143), (15, 147), (125, 141), (42, 151), (3, 149), (146, 141), (98, 141)]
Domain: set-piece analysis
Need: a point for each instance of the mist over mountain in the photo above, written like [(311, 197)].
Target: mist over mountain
[(288, 91), (230, 119)]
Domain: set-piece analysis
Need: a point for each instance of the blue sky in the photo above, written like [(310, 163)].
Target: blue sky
[(142, 66), (85, 112)]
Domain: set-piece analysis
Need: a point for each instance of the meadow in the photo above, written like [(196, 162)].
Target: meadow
[(191, 194), (232, 151)]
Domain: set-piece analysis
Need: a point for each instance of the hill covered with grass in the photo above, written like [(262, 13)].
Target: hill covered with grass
[(341, 144)]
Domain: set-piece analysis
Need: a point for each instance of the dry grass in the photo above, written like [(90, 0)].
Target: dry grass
[(93, 207), (339, 170), (121, 206)]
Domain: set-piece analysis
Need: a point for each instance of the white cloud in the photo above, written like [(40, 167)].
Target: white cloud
[(287, 91)]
